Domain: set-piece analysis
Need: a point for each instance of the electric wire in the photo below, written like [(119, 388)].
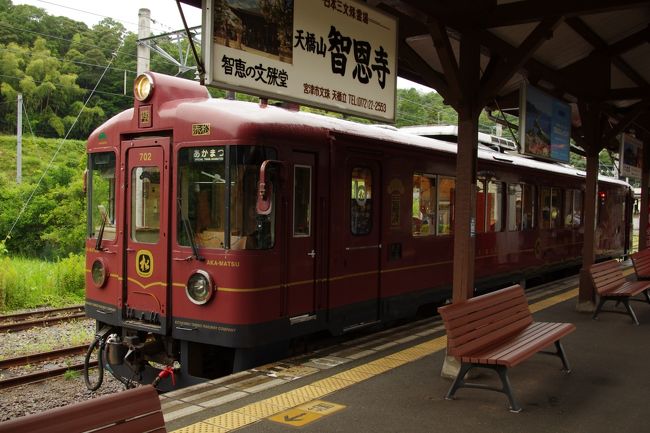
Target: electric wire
[(58, 149)]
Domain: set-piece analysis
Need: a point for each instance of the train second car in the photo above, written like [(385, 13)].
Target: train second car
[(220, 230)]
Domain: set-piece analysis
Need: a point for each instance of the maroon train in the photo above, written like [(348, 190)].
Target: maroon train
[(219, 230)]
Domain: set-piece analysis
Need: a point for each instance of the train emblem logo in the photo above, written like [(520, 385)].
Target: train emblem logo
[(144, 263)]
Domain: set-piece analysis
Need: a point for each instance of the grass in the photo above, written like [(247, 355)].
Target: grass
[(31, 283)]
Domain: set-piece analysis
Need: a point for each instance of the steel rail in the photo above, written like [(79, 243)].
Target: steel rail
[(42, 356), (41, 375), (23, 316), (44, 321)]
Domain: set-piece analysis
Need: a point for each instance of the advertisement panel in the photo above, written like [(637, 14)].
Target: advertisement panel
[(631, 158), (544, 125), (339, 55)]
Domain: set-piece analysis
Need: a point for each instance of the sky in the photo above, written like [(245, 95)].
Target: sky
[(164, 16)]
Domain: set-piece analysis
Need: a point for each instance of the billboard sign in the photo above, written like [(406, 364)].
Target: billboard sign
[(631, 158), (339, 55), (544, 125)]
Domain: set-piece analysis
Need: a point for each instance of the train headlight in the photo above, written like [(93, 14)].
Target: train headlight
[(99, 273), (199, 287), (143, 87)]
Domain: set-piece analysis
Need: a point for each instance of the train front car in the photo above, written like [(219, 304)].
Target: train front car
[(176, 229)]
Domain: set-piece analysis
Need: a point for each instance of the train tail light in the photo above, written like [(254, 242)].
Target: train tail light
[(143, 87), (199, 288)]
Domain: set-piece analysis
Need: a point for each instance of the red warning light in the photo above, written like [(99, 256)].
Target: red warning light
[(602, 195)]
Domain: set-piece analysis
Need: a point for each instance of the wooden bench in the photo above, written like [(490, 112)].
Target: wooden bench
[(641, 261), (611, 285), (133, 411), (496, 331)]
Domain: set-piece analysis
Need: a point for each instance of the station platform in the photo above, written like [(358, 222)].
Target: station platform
[(391, 382)]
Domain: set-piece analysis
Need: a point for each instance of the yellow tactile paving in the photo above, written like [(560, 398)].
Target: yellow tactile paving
[(332, 384), (281, 403), (287, 400), (231, 420), (201, 427), (260, 410)]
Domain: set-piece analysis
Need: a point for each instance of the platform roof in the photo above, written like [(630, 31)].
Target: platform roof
[(588, 53)]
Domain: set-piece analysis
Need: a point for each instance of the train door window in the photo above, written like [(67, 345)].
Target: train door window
[(573, 208), (101, 194), (446, 198), (550, 207), (515, 207), (249, 230), (528, 208), (201, 196), (302, 201), (424, 205), (361, 201), (145, 204)]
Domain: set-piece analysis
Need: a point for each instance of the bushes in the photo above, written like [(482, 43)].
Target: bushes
[(28, 283)]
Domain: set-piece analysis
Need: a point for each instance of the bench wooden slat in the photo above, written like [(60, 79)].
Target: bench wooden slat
[(453, 311), (641, 262), (135, 410)]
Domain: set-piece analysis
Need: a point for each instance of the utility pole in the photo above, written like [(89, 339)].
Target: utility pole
[(19, 140), (144, 31)]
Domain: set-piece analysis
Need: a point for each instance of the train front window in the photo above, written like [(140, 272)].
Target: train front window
[(101, 194), (206, 184)]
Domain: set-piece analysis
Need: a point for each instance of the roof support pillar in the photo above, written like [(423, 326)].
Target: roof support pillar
[(465, 203), (590, 114), (643, 211)]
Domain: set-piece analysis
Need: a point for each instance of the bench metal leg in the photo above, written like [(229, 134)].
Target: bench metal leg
[(647, 296), (562, 355), (599, 307), (630, 311), (501, 370)]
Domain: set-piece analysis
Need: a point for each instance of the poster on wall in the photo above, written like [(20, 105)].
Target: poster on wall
[(631, 158), (544, 125), (339, 55)]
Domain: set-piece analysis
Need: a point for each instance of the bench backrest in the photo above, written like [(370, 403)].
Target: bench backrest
[(606, 276), (641, 261), (133, 411), (483, 320)]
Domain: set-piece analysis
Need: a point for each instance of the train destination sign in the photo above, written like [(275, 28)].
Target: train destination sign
[(339, 55), (544, 125)]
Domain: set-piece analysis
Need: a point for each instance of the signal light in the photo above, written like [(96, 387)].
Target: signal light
[(602, 195)]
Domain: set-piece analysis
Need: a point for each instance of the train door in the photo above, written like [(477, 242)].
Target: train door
[(145, 302), (302, 251), (362, 241)]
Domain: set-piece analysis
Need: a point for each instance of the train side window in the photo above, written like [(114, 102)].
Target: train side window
[(573, 208), (521, 206), (446, 200), (301, 201), (424, 205), (550, 207), (494, 207), (489, 206), (361, 201), (515, 207), (528, 210), (101, 193)]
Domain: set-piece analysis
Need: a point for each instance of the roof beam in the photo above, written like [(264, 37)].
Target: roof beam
[(582, 29), (431, 77), (532, 10), (446, 55), (624, 122), (517, 58)]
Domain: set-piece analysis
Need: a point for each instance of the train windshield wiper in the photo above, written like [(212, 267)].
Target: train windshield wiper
[(189, 232), (100, 235)]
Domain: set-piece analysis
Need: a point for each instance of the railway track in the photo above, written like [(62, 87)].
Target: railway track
[(22, 321), (44, 373)]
